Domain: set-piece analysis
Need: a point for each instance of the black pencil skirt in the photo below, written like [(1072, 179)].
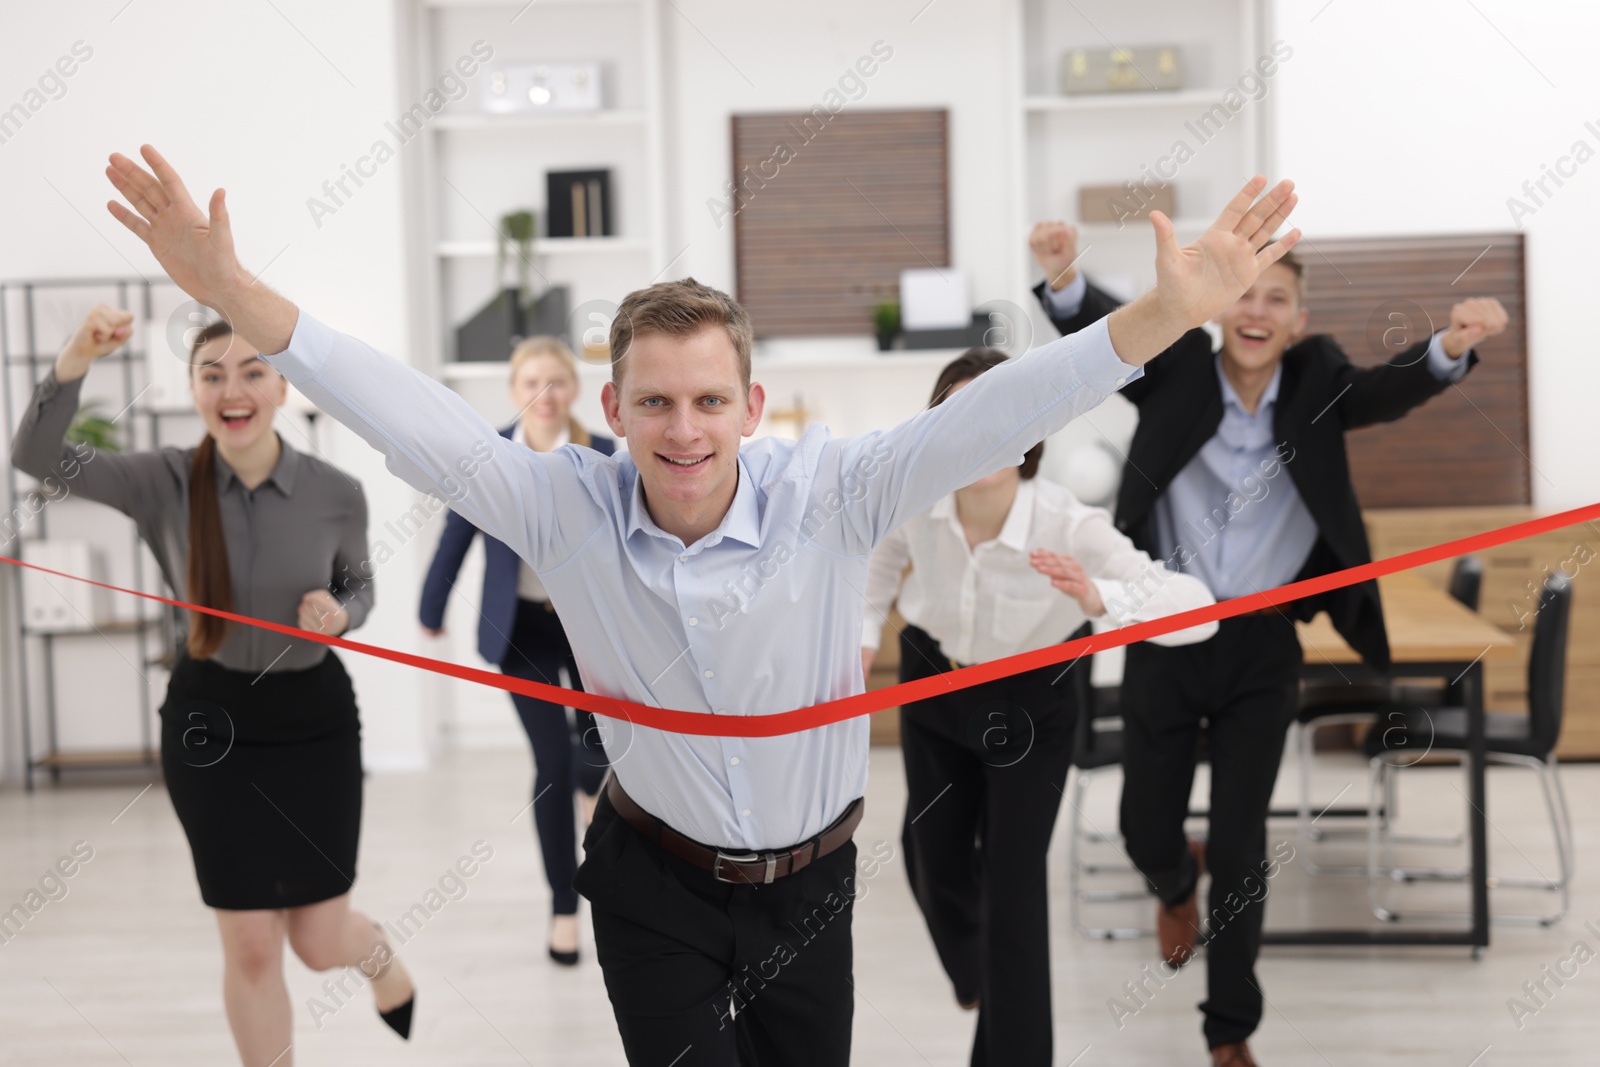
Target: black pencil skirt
[(265, 774)]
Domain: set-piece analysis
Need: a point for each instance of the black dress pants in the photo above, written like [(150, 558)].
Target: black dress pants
[(562, 762), (986, 768), (1244, 682), (704, 973)]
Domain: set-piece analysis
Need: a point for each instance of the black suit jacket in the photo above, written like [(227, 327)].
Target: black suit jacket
[(1320, 396)]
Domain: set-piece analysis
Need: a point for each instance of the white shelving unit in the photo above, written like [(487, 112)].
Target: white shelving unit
[(1065, 142), (474, 166)]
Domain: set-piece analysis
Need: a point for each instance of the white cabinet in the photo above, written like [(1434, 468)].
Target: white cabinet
[(474, 167), (1205, 139)]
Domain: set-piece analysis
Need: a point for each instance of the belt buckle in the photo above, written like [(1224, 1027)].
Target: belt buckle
[(744, 857)]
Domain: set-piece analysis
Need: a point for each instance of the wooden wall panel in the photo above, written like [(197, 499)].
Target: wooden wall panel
[(1469, 445), (827, 215)]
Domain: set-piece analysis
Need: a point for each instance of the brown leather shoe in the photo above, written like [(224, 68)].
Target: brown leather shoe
[(1234, 1055), (1178, 927)]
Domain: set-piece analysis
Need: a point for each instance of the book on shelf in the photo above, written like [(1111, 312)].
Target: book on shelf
[(578, 203)]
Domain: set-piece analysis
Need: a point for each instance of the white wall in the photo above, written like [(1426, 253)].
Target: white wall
[(235, 95), (1425, 117), (1394, 119)]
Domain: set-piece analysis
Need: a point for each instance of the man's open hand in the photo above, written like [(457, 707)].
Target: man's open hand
[(1198, 282), (194, 248)]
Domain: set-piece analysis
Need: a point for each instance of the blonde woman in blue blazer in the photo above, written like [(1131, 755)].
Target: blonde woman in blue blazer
[(519, 631)]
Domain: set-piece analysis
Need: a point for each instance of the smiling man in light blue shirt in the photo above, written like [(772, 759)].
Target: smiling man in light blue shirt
[(698, 572)]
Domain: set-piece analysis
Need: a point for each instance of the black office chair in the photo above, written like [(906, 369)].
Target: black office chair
[(1527, 740), (1328, 704)]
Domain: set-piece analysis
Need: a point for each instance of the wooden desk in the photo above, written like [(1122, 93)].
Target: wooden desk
[(1430, 635), (1425, 624)]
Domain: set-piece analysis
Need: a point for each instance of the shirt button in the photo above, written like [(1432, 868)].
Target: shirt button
[(745, 813), (711, 674), (722, 711), (683, 559), (734, 762), (1122, 381), (693, 621)]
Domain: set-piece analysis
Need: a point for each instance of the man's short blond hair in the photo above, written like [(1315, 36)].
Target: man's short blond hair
[(680, 309), (1298, 266)]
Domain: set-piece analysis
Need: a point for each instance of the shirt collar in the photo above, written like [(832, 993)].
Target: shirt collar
[(282, 476), (518, 437), (741, 523), (1230, 396), (1019, 520), (1013, 532)]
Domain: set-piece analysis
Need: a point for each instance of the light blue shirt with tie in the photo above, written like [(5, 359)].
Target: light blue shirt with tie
[(761, 615), (1234, 506)]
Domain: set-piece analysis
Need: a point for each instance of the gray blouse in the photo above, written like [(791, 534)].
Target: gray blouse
[(304, 528)]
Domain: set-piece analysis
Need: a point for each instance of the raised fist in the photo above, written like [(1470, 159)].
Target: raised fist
[(1472, 321), (103, 331), (1055, 248)]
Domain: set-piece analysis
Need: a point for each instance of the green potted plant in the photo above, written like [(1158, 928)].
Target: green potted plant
[(886, 322), (90, 428), (517, 228)]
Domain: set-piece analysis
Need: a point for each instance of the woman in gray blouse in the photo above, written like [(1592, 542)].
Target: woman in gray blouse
[(260, 739)]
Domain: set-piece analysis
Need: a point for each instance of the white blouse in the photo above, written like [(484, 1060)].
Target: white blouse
[(988, 602)]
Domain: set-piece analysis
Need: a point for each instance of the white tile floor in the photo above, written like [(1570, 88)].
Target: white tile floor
[(124, 969)]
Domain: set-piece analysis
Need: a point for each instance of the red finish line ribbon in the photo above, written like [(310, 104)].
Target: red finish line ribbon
[(809, 718)]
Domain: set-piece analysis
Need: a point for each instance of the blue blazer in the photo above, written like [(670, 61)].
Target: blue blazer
[(500, 569)]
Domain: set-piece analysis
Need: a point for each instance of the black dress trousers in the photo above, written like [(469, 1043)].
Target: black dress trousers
[(986, 768), (1244, 682), (704, 973)]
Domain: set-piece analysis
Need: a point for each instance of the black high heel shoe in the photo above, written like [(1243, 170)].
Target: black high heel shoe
[(566, 959), (398, 1018)]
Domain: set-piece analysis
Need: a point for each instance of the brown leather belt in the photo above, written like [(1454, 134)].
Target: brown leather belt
[(738, 868)]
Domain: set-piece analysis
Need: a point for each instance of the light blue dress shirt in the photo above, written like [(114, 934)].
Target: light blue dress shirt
[(1233, 506), (761, 615)]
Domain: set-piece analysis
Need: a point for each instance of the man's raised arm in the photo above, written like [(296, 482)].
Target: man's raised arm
[(992, 422)]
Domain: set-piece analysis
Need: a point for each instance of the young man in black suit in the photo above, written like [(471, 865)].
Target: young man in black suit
[(1204, 490)]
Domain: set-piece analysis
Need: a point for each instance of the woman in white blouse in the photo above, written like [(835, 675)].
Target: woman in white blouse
[(1009, 564)]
